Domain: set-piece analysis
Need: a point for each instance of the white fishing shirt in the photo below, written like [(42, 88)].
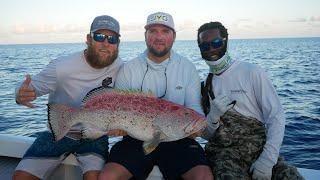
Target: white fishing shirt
[(175, 77), (68, 79), (256, 97)]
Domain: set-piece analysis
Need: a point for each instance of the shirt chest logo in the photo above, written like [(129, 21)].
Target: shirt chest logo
[(179, 88)]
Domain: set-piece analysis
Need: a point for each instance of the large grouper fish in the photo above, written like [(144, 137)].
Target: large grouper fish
[(142, 115)]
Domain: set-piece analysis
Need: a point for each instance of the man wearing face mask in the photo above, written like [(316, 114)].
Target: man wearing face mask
[(249, 146)]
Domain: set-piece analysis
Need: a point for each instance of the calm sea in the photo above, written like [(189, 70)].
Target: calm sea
[(293, 66)]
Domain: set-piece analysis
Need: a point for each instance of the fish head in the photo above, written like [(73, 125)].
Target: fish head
[(195, 122), (179, 122)]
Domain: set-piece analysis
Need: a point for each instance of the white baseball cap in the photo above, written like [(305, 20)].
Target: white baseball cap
[(160, 18)]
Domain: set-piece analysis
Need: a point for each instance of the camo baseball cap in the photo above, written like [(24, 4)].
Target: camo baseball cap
[(160, 18), (105, 22)]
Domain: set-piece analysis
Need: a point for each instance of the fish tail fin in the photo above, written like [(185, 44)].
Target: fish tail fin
[(59, 119)]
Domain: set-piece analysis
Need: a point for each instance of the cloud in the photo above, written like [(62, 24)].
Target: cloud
[(72, 28), (243, 24), (298, 20), (313, 18), (132, 27), (187, 25), (244, 20), (48, 29), (302, 19)]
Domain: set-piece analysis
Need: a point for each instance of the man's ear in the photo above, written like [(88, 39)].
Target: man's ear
[(89, 39), (174, 35)]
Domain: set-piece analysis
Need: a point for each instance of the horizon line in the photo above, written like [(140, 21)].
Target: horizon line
[(305, 37)]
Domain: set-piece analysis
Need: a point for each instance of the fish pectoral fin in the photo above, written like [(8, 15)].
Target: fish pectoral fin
[(88, 132), (74, 134), (149, 146)]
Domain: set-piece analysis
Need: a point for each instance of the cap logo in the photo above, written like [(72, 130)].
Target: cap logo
[(159, 18)]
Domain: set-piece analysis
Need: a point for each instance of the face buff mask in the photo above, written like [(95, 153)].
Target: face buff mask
[(222, 64)]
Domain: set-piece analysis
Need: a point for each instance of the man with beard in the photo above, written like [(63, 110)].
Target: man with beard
[(67, 80), (170, 76), (247, 143)]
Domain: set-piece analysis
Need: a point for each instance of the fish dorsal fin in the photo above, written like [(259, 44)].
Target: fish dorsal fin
[(135, 92), (95, 92), (149, 94), (103, 89)]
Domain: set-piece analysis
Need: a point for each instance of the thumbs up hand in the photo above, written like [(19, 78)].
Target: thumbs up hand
[(26, 93)]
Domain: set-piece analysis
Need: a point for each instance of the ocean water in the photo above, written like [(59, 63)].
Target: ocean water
[(293, 66)]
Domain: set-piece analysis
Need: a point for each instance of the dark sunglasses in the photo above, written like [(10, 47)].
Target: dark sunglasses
[(112, 39), (215, 44)]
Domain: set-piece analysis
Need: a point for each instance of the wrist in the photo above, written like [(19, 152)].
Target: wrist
[(263, 165), (265, 160), (213, 125)]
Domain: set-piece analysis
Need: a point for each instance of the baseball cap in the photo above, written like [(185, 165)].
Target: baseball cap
[(160, 18), (105, 22)]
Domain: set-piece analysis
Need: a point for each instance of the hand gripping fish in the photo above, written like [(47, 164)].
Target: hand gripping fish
[(141, 115)]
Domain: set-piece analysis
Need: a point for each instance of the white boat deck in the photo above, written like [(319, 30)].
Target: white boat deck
[(8, 165), (66, 171), (12, 149)]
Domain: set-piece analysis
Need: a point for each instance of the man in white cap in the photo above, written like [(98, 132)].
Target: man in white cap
[(67, 80), (170, 76)]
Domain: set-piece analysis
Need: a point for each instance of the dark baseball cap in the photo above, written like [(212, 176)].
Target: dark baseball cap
[(105, 22)]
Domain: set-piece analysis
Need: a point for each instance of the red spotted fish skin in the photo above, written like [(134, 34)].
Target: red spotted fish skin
[(140, 114)]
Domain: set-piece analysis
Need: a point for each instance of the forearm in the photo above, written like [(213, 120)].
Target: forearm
[(275, 134)]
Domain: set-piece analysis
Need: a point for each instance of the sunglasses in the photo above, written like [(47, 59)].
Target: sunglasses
[(215, 44), (112, 39)]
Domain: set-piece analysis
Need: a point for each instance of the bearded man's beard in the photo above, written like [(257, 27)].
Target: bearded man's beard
[(157, 53), (98, 62)]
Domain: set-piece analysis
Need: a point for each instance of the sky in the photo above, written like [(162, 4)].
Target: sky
[(68, 21)]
